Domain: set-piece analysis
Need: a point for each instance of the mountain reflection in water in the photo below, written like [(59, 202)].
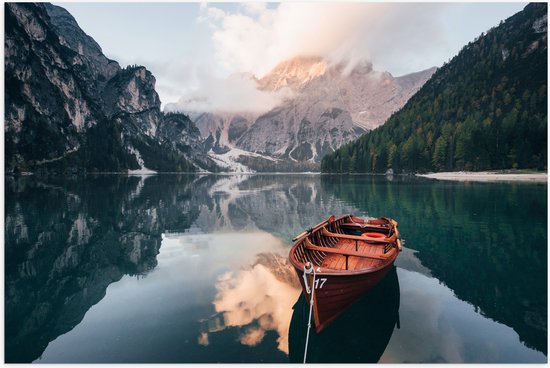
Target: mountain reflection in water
[(67, 241), (486, 241), (191, 268)]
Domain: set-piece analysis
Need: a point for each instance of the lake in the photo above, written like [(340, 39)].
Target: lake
[(189, 269)]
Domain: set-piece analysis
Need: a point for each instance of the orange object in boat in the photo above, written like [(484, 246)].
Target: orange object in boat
[(373, 235)]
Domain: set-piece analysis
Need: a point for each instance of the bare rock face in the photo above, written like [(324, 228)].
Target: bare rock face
[(71, 109), (89, 57), (331, 107), (225, 129), (189, 144), (131, 92), (294, 73), (288, 132), (327, 106), (46, 108)]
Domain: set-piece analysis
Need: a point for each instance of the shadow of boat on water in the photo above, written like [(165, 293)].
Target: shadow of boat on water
[(359, 335)]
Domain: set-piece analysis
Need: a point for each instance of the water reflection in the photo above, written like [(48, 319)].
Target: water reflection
[(486, 242), (359, 335), (282, 205), (67, 241), (258, 298), (193, 268), (437, 327)]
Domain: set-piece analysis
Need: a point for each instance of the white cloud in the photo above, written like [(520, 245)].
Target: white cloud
[(237, 93), (256, 38), (210, 14), (254, 7)]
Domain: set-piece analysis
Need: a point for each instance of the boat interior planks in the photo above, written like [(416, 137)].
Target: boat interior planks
[(341, 259)]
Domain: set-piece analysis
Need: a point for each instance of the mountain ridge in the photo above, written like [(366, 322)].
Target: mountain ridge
[(485, 109), (327, 105), (70, 109)]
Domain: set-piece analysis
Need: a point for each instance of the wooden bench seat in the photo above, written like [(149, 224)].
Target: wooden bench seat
[(343, 252)]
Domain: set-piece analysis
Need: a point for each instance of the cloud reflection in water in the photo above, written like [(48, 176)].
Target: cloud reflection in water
[(258, 299)]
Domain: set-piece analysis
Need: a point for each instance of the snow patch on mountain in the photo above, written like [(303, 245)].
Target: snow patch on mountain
[(228, 160), (142, 170)]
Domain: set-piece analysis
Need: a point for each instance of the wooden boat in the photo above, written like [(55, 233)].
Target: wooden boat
[(338, 260)]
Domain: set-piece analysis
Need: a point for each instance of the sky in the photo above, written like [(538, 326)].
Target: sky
[(192, 48)]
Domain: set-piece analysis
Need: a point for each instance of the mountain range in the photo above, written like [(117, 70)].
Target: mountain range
[(70, 109), (487, 108), (326, 106)]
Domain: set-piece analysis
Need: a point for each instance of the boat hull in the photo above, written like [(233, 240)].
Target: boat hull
[(335, 292), (372, 317)]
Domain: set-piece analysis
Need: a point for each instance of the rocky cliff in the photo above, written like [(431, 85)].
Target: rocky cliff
[(331, 107), (71, 109), (328, 106)]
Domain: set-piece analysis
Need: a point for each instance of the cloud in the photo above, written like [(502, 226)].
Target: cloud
[(189, 87), (236, 93), (255, 38), (210, 14), (174, 79)]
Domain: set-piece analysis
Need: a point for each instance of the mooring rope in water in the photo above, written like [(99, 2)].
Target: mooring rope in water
[(308, 268)]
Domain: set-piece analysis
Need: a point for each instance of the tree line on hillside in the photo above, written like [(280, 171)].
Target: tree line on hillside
[(485, 109)]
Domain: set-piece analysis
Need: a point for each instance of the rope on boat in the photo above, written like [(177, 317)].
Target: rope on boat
[(308, 269)]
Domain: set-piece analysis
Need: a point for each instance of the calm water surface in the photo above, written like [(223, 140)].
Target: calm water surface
[(194, 269)]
